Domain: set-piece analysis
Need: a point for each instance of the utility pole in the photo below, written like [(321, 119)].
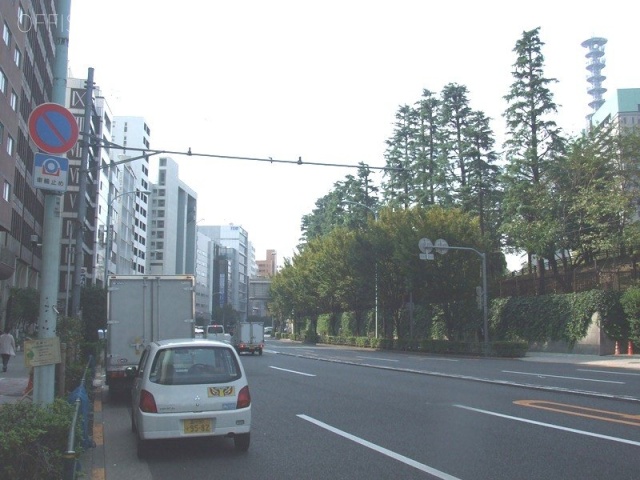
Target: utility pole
[(44, 376), (82, 194)]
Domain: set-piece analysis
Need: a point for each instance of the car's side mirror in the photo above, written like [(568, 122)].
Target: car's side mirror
[(131, 372)]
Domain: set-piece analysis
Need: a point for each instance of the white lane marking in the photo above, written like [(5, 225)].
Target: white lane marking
[(292, 371), (559, 376), (376, 358), (379, 449), (607, 371), (550, 425)]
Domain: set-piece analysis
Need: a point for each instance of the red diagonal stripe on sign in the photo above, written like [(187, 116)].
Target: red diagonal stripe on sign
[(53, 128)]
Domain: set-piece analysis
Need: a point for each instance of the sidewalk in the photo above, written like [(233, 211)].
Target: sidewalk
[(615, 361), (13, 382)]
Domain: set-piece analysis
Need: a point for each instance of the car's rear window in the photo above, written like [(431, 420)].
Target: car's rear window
[(194, 365)]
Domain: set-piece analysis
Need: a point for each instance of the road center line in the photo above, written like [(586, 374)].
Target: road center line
[(396, 456), (292, 371), (549, 425), (559, 376)]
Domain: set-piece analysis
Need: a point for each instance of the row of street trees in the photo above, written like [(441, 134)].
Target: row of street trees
[(564, 201)]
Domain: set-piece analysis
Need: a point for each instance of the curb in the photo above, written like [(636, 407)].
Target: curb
[(93, 460)]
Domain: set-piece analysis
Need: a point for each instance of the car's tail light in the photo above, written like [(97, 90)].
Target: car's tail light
[(147, 402), (244, 398)]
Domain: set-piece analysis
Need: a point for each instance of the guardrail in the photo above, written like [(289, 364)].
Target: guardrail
[(81, 399)]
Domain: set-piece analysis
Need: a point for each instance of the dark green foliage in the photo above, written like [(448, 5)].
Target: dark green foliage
[(612, 315), (33, 439), (554, 317), (630, 301), (23, 309), (93, 303), (77, 350)]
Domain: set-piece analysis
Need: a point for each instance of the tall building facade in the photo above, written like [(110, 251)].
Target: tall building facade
[(269, 266), (235, 241), (204, 279), (172, 241), (27, 53), (93, 171), (130, 208), (621, 108)]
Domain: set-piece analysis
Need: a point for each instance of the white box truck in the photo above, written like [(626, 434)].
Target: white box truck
[(142, 309), (248, 337)]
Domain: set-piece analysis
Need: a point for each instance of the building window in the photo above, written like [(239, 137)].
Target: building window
[(14, 101), (17, 57), (9, 144), (3, 82), (6, 35), (22, 19), (1, 133), (6, 191)]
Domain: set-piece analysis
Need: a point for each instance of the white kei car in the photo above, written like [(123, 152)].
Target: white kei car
[(190, 388)]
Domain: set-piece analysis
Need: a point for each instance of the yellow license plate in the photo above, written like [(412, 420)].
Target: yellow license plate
[(197, 426)]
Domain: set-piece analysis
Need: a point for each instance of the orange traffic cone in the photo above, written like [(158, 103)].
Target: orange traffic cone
[(630, 348), (617, 350)]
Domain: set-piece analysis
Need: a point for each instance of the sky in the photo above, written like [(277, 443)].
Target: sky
[(321, 81)]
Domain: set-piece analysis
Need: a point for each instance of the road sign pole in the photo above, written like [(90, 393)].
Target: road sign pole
[(44, 376)]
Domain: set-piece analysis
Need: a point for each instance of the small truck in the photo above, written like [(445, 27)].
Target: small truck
[(248, 337)]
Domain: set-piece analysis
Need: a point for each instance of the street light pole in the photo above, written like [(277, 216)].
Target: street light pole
[(375, 217)]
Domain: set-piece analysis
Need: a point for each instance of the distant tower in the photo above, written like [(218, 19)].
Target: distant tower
[(595, 64)]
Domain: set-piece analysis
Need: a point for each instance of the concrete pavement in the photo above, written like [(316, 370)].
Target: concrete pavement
[(615, 361), (13, 382)]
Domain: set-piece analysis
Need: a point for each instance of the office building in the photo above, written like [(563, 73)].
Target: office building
[(91, 228), (268, 267), (26, 80), (129, 195), (171, 246), (234, 251)]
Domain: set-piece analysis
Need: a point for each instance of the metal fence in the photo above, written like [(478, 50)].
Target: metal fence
[(528, 285), (82, 404)]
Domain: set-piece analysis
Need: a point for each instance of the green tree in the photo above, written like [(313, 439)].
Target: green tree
[(533, 144), (23, 309), (455, 112), (431, 167), (93, 303), (484, 192), (398, 182)]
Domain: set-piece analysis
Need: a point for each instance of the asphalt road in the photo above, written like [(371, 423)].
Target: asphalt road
[(325, 412)]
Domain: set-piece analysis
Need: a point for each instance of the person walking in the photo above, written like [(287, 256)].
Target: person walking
[(7, 348)]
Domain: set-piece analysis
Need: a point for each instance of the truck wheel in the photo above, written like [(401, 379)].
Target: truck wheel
[(242, 441)]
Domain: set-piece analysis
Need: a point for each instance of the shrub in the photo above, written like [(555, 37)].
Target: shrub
[(630, 301), (33, 439)]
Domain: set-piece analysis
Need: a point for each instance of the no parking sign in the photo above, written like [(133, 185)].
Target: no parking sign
[(53, 128)]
